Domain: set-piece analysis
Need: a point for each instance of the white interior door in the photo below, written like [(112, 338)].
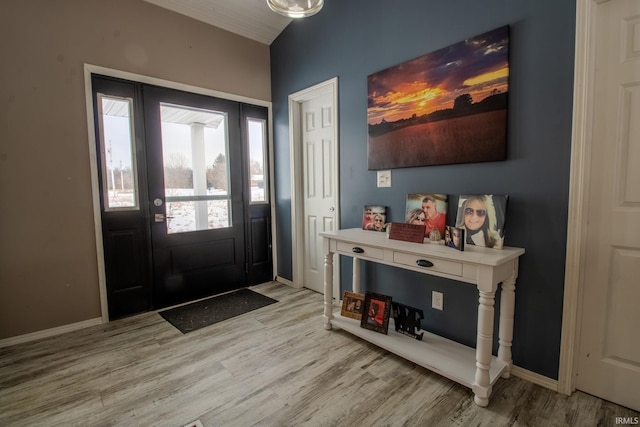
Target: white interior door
[(609, 349), (319, 175)]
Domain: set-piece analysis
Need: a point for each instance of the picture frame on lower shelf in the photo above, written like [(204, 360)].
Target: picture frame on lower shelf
[(352, 305), (377, 310)]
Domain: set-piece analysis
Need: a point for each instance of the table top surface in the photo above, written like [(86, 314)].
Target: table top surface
[(471, 254)]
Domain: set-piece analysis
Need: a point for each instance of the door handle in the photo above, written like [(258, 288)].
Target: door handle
[(332, 208), (161, 218)]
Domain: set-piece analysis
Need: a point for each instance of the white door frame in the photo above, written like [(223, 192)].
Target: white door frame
[(297, 195), (578, 193)]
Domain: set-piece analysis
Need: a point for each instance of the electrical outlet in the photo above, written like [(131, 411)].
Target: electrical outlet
[(437, 300), (384, 178)]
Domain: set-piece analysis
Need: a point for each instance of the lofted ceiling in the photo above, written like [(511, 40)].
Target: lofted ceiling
[(249, 18)]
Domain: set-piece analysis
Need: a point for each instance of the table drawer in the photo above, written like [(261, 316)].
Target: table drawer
[(355, 249), (439, 265)]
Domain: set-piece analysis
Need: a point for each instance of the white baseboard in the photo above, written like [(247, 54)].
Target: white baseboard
[(50, 332), (535, 378)]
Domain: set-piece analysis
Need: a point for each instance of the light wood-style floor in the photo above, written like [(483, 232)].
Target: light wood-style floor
[(275, 366)]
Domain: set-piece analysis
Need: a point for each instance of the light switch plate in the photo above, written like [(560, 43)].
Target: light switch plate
[(384, 178)]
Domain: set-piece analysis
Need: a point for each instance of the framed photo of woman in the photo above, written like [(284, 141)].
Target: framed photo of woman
[(483, 219), (454, 237)]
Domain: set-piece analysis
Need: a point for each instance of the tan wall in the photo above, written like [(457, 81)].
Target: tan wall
[(48, 267)]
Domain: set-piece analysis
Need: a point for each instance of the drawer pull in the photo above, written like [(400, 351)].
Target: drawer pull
[(424, 263), (357, 250)]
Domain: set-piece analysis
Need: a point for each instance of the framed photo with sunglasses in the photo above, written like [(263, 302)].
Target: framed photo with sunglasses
[(427, 209), (374, 218), (483, 216)]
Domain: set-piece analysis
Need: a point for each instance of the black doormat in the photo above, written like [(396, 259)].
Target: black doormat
[(191, 317)]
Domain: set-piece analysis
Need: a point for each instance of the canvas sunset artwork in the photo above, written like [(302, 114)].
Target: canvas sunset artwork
[(445, 107)]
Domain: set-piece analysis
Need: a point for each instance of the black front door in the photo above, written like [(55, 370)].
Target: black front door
[(123, 196), (194, 161), (185, 212), (257, 186)]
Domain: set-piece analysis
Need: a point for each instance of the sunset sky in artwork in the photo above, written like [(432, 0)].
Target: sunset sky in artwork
[(478, 66)]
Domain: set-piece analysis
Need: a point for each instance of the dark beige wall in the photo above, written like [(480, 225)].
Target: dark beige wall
[(48, 259)]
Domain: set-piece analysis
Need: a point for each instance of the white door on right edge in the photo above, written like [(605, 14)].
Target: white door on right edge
[(609, 352)]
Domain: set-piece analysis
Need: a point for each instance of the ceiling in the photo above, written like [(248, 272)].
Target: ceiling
[(249, 18)]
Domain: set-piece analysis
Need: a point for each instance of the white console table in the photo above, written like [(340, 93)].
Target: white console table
[(483, 267)]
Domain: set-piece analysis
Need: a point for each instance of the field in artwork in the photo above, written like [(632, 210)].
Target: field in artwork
[(473, 138)]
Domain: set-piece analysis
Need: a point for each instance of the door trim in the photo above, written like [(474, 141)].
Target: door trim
[(295, 150), (90, 69), (578, 194)]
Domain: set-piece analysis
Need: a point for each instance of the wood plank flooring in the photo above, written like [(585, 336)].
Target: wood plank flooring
[(275, 366)]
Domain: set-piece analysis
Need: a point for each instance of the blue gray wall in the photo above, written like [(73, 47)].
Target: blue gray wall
[(351, 39)]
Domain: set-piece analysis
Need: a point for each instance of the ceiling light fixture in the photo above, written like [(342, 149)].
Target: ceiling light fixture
[(296, 8)]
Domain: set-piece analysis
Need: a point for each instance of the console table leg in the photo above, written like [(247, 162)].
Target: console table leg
[(482, 384), (505, 335), (328, 289), (356, 275)]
